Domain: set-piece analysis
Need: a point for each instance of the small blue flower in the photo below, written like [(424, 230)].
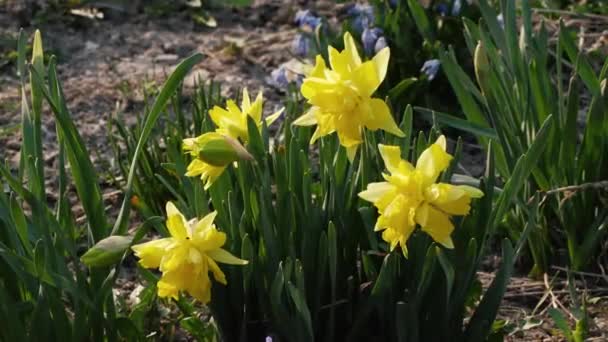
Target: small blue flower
[(442, 9), (301, 45), (369, 37), (430, 68), (456, 7), (362, 17), (501, 20), (380, 44), (393, 3), (268, 339), (306, 20), (278, 77)]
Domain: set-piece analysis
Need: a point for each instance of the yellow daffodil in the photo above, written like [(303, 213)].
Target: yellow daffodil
[(212, 153), (186, 258), (410, 196), (232, 121), (341, 96)]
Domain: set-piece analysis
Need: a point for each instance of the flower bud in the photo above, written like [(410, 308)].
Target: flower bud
[(482, 66), (107, 251), (221, 150)]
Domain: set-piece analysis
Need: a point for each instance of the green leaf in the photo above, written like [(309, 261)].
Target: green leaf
[(455, 122), (481, 322), (524, 166), (421, 20), (165, 94)]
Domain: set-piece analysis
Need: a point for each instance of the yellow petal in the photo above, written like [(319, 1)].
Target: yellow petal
[(375, 191), (175, 258), (167, 290), (433, 161), (391, 155), (246, 102), (380, 61), (381, 118), (307, 119), (435, 223), (451, 199), (471, 191), (209, 239), (223, 256), (204, 223), (199, 287), (151, 253), (366, 78), (272, 118), (339, 62), (351, 50), (218, 275), (255, 111), (320, 67), (351, 152), (176, 222)]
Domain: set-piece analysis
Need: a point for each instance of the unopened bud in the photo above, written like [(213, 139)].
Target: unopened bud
[(107, 251), (221, 150), (482, 66)]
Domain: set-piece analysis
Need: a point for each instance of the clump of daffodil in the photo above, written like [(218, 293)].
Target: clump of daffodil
[(212, 153), (410, 196), (186, 258), (341, 96), (232, 121)]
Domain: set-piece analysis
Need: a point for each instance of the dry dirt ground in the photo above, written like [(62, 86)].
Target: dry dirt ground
[(105, 64)]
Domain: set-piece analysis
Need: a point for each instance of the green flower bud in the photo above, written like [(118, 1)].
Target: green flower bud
[(107, 251), (222, 150)]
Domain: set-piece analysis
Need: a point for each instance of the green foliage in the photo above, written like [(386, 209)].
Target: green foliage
[(517, 101), (316, 268), (47, 293)]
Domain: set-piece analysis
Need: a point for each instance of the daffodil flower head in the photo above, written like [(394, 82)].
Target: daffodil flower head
[(341, 96), (410, 196), (187, 256), (209, 172), (232, 121)]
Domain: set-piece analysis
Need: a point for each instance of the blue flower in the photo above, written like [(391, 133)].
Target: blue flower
[(362, 17), (430, 68), (306, 20), (301, 45), (393, 3), (380, 44), (456, 7), (442, 9), (369, 37), (278, 77)]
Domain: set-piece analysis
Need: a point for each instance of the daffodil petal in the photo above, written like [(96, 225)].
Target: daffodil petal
[(380, 61), (391, 155), (366, 78), (351, 50), (381, 118), (176, 222), (351, 152), (307, 119), (435, 223), (151, 253), (218, 275), (272, 118), (205, 223), (433, 161), (223, 256), (375, 191)]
